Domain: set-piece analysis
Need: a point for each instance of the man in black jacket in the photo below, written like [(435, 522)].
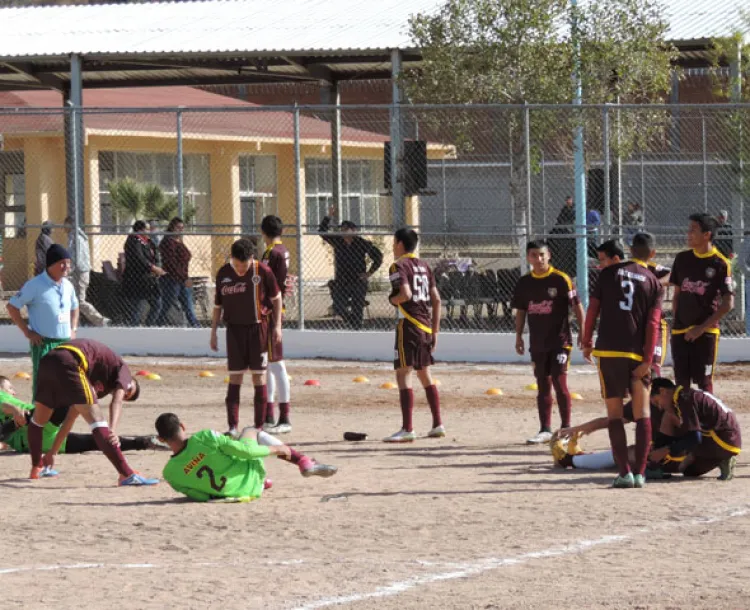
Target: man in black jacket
[(140, 286), (349, 286)]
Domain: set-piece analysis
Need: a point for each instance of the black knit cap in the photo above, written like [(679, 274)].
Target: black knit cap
[(55, 254)]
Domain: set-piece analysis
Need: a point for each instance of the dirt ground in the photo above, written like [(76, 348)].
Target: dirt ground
[(475, 520)]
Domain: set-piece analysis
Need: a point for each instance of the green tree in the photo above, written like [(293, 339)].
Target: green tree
[(135, 200)]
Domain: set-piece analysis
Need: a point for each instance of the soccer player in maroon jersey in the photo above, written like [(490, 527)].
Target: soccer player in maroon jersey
[(244, 287), (699, 425), (703, 295), (627, 297), (415, 296), (545, 296), (73, 376), (276, 256)]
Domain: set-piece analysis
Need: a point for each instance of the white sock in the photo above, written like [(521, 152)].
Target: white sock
[(278, 371), (266, 439), (270, 384), (601, 460)]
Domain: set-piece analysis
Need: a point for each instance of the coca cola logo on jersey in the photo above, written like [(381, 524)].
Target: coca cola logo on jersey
[(696, 287), (236, 289), (541, 308)]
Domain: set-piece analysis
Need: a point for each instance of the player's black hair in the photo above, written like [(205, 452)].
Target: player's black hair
[(139, 225), (612, 248), (173, 223), (348, 224), (408, 237), (137, 392), (643, 244), (536, 244), (272, 226), (242, 250), (167, 426), (661, 382), (707, 223)]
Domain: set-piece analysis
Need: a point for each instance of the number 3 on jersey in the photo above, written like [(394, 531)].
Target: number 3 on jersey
[(628, 290), (421, 290)]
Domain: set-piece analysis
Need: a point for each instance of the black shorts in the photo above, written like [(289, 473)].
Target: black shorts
[(616, 375), (247, 348), (413, 347), (695, 361), (552, 363), (62, 381)]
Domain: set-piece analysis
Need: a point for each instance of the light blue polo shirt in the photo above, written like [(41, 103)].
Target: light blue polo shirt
[(49, 305)]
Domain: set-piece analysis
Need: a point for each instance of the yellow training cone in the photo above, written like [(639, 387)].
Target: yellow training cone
[(226, 379), (153, 377), (22, 375), (532, 386), (576, 396), (388, 385), (361, 379), (205, 374), (494, 392)]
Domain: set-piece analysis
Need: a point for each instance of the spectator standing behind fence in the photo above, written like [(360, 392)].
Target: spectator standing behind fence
[(52, 306), (724, 234), (43, 242), (745, 269), (140, 284), (567, 215), (563, 249), (633, 221), (593, 222), (81, 275), (351, 252), (176, 285)]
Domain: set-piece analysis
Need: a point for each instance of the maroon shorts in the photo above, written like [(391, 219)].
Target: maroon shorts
[(694, 362), (275, 350), (62, 382), (615, 376), (552, 363), (413, 347), (247, 347)]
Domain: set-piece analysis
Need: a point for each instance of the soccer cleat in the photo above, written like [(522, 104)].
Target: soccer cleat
[(136, 480), (573, 447), (626, 482), (560, 454), (543, 436), (437, 432), (402, 436), (232, 432), (42, 472), (639, 481), (656, 474), (279, 429), (153, 442), (727, 468), (310, 468)]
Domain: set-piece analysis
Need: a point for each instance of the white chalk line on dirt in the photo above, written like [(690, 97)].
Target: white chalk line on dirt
[(494, 563)]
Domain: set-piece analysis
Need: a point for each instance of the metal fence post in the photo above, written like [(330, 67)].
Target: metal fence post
[(180, 169), (397, 191), (705, 163), (77, 187), (298, 202), (643, 189), (527, 158), (607, 162), (619, 170), (544, 195)]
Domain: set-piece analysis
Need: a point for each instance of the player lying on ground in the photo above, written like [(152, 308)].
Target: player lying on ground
[(72, 377), (628, 297), (416, 298), (14, 418), (209, 465), (246, 291), (546, 297), (682, 452)]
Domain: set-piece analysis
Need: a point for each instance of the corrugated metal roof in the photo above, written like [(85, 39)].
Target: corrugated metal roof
[(265, 26)]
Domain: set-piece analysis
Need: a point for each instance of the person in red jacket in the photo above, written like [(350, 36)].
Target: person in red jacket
[(176, 285)]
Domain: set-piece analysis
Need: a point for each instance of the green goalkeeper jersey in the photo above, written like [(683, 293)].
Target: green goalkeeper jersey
[(213, 465), (19, 440)]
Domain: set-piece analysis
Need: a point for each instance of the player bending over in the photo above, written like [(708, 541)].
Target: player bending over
[(628, 298), (417, 300), (72, 377), (14, 418), (276, 256), (546, 296), (244, 290), (209, 465)]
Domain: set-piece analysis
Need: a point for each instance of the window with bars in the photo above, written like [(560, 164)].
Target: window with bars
[(258, 190)]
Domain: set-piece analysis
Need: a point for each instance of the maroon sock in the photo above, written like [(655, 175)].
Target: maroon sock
[(114, 455), (284, 409), (433, 398), (296, 456), (35, 444), (642, 444), (563, 399), (544, 403), (407, 407), (233, 405), (259, 402), (619, 442), (270, 419)]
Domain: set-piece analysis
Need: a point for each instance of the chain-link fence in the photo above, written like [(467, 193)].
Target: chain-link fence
[(476, 182)]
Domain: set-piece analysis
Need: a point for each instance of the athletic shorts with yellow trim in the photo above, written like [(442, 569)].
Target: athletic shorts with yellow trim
[(616, 376), (413, 347)]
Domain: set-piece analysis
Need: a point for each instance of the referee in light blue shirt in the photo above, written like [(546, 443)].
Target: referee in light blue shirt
[(52, 306)]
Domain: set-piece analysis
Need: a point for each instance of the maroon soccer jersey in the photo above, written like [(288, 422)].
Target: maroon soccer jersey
[(660, 271), (276, 256), (416, 274), (244, 298), (627, 292), (702, 279), (547, 300), (105, 369), (701, 411)]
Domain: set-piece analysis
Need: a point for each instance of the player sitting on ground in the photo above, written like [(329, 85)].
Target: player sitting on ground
[(546, 296), (415, 296), (72, 377), (14, 418), (209, 465), (628, 296)]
